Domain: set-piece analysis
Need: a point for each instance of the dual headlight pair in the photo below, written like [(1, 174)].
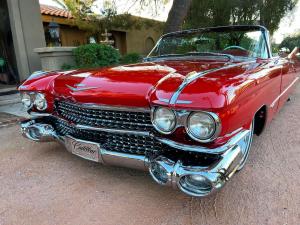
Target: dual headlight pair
[(34, 99), (200, 126)]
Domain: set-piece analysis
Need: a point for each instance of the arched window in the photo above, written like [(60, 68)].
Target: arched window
[(149, 45)]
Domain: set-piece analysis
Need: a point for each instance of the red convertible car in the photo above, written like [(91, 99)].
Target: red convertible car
[(187, 114)]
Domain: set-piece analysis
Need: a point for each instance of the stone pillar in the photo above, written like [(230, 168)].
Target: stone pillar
[(53, 58), (28, 33)]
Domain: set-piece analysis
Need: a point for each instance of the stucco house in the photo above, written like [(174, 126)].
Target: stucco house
[(132, 40), (24, 26)]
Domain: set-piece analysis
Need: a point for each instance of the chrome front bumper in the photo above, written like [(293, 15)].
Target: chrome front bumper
[(162, 169)]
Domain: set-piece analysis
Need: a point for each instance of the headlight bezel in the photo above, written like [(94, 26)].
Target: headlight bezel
[(213, 136), (154, 110), (182, 120), (33, 95), (22, 94), (45, 103)]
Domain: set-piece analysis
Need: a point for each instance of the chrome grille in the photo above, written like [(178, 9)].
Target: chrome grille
[(98, 117), (130, 143), (125, 143)]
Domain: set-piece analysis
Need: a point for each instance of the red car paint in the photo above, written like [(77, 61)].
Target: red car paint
[(234, 91)]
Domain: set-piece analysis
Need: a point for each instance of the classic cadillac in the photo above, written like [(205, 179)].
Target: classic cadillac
[(187, 114)]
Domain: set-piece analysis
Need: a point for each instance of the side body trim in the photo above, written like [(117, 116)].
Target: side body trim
[(282, 93)]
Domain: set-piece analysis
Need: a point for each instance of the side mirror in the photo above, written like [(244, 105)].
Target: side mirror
[(284, 52)]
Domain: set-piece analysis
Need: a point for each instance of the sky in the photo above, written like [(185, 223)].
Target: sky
[(288, 25)]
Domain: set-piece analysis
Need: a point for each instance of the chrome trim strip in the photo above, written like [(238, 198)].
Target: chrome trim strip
[(85, 127), (165, 100), (282, 93), (108, 130), (37, 114), (109, 108), (193, 77), (201, 149), (118, 131), (183, 102), (74, 89)]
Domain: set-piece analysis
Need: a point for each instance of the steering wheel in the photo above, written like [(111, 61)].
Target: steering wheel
[(235, 47)]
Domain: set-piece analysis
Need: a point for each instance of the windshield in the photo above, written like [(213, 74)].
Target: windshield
[(209, 42)]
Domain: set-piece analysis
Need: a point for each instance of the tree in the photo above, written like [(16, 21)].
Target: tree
[(268, 13), (177, 15), (78, 8), (107, 18), (81, 10), (291, 42)]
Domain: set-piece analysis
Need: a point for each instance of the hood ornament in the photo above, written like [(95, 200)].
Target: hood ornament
[(79, 87)]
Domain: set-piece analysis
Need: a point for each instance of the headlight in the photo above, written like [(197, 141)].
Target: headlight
[(196, 185), (164, 120), (202, 127), (26, 100), (40, 101)]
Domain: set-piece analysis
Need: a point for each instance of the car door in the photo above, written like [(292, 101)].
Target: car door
[(288, 79)]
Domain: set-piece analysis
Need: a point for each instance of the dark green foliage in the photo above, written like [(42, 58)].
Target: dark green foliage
[(205, 13), (68, 67), (96, 55), (131, 58), (291, 42)]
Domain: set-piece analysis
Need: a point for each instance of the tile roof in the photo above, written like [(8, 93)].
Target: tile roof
[(55, 11)]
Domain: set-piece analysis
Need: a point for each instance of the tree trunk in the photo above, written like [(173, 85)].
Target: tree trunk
[(177, 15)]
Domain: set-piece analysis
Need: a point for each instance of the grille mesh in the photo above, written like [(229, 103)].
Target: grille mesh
[(140, 121), (125, 143)]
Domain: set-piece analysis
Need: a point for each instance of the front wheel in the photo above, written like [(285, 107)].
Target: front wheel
[(246, 146)]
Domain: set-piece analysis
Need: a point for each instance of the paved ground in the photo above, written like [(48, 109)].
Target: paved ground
[(40, 183), (16, 109)]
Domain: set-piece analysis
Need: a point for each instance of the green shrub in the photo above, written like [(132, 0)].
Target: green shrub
[(131, 58), (96, 55), (68, 67)]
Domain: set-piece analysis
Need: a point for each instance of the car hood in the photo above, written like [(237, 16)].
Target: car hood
[(140, 85), (130, 85)]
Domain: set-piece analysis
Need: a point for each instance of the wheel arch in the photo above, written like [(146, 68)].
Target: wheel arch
[(260, 120)]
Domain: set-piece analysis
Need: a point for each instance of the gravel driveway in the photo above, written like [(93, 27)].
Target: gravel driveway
[(41, 183)]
